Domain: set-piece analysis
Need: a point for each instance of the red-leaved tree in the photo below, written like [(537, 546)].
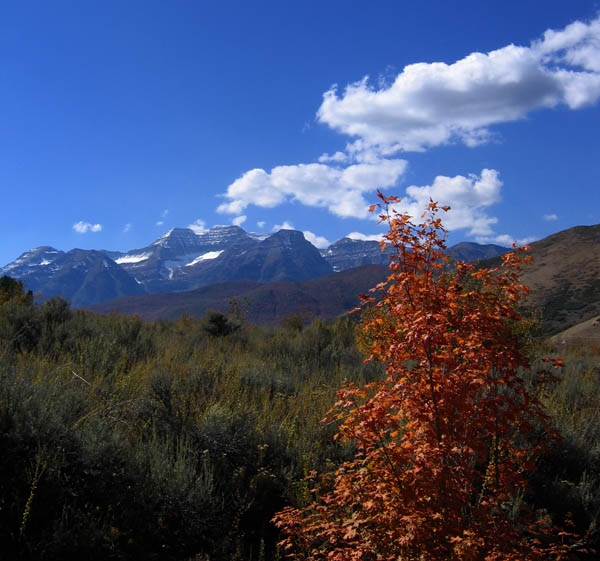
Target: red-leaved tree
[(446, 440)]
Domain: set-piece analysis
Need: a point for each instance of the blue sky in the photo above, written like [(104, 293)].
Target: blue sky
[(123, 119)]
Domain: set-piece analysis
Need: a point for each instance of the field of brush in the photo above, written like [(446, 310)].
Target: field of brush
[(122, 439)]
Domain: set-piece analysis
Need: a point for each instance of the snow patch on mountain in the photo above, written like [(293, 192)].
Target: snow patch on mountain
[(136, 258), (204, 257)]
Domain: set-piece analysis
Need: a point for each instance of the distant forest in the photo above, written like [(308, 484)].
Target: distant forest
[(180, 440)]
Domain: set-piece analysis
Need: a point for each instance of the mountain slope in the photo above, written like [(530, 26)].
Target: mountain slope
[(585, 332), (325, 297), (564, 277)]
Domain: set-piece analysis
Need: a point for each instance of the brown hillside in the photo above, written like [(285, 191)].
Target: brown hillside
[(564, 277), (325, 297), (586, 332)]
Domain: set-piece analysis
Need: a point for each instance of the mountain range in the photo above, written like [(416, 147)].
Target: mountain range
[(282, 273), (563, 279), (184, 260)]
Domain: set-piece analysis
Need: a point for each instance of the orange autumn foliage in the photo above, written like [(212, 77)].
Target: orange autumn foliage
[(446, 440)]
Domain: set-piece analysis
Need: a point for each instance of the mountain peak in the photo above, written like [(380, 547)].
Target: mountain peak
[(177, 235), (353, 241), (29, 260), (288, 239), (289, 234), (222, 235), (230, 227)]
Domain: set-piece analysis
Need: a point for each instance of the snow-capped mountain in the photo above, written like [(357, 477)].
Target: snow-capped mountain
[(82, 276), (179, 260), (183, 259), (155, 265), (283, 256), (32, 262), (349, 253)]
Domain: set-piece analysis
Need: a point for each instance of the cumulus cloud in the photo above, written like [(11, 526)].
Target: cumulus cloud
[(505, 239), (198, 226), (82, 227), (285, 226), (365, 237), (426, 105), (321, 185), (429, 104), (339, 157), (317, 241), (159, 222), (239, 220), (339, 189), (550, 217), (578, 44), (261, 223), (468, 197)]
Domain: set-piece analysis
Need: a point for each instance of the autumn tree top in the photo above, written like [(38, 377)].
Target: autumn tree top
[(446, 440)]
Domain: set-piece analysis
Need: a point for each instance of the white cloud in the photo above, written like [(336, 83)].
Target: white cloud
[(365, 237), (239, 220), (261, 223), (317, 241), (578, 44), (426, 105), (322, 185), (468, 198), (82, 227), (550, 217), (339, 157), (127, 227), (159, 222), (429, 104), (198, 226), (164, 213), (285, 226), (340, 190), (505, 239)]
